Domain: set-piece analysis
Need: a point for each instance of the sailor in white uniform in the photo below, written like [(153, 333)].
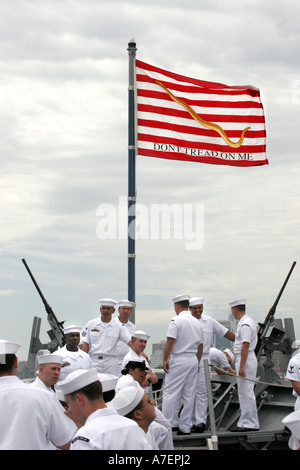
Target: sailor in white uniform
[(102, 427), (246, 365), (133, 370), (210, 326), (292, 421), (124, 311), (184, 344), (135, 404), (293, 374), (48, 373), (223, 359), (100, 338), (138, 344), (30, 417), (73, 357)]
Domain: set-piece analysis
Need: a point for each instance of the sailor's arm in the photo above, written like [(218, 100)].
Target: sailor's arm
[(152, 377), (85, 347), (296, 386), (168, 349), (244, 355), (200, 351), (229, 335)]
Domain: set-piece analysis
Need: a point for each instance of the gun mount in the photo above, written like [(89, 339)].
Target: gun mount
[(56, 334), (266, 340), (272, 336)]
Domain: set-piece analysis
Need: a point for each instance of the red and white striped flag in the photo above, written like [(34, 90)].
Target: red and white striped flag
[(181, 118)]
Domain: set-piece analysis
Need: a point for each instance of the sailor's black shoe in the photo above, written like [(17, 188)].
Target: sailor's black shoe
[(181, 433), (199, 428), (238, 429)]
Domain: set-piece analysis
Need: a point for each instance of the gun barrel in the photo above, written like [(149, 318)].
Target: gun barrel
[(34, 282), (284, 284), (56, 326)]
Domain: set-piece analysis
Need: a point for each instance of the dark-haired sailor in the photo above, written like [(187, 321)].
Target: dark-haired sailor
[(102, 427)]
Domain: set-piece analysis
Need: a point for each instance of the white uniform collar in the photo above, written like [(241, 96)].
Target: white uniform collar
[(101, 412), (64, 351), (184, 312), (10, 379), (42, 385), (121, 323), (110, 323), (243, 318)]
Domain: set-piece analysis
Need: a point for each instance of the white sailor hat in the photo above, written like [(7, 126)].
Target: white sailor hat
[(108, 381), (140, 334), (196, 301), (292, 421), (78, 379), (60, 395), (72, 329), (234, 303), (127, 398), (125, 303), (49, 359), (180, 298), (230, 354), (107, 302), (7, 347)]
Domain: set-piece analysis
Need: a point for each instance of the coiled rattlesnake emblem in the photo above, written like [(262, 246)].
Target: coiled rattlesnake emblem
[(208, 125)]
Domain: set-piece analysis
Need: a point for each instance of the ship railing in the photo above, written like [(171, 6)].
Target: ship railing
[(157, 397)]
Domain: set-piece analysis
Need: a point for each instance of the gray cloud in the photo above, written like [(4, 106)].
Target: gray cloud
[(63, 131)]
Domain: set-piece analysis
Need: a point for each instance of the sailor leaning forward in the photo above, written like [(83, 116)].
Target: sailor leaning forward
[(102, 427)]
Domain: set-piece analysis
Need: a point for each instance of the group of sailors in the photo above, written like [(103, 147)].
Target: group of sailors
[(189, 338), (93, 393)]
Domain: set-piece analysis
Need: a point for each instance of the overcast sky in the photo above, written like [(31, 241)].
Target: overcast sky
[(63, 131)]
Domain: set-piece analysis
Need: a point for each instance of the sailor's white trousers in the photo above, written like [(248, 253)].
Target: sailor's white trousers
[(179, 389), (247, 400)]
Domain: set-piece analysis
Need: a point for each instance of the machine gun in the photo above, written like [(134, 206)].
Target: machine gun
[(276, 336), (56, 334)]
